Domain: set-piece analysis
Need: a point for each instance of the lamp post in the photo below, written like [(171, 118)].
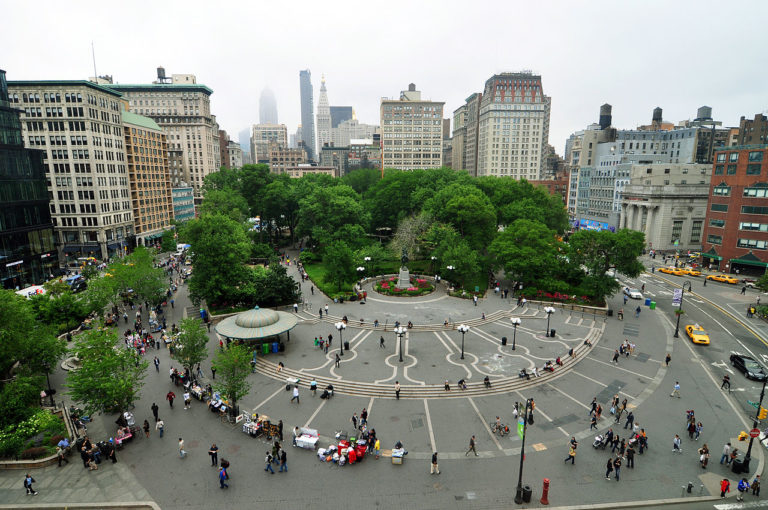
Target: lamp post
[(341, 327), (519, 491), (433, 259), (748, 456), (400, 332), (49, 391), (463, 328), (368, 262), (451, 268), (361, 269), (515, 322), (680, 308), (549, 310)]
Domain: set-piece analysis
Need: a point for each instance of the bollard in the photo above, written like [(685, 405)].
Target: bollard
[(545, 493)]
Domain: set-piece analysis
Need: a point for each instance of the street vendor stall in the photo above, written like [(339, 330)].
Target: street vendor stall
[(307, 438)]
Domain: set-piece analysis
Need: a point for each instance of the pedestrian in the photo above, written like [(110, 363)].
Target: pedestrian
[(295, 308), (160, 426), (726, 456), (364, 417), (312, 289), (726, 382), (213, 451), (397, 390), (599, 411), (146, 428), (326, 309), (338, 360), (743, 487), (609, 468), (593, 422), (474, 298), (743, 290), (630, 420), (434, 469), (756, 486), (172, 303), (61, 450), (725, 485), (169, 397), (615, 357), (320, 312), (691, 428), (447, 386), (667, 359), (157, 364), (213, 372), (704, 456), (28, 481), (199, 371), (381, 342), (699, 428), (268, 463), (223, 476), (182, 451), (377, 448), (354, 420), (676, 391), (676, 444), (571, 455), (295, 394), (187, 400), (637, 312), (471, 446), (631, 457), (617, 467), (283, 461), (280, 429), (593, 405)]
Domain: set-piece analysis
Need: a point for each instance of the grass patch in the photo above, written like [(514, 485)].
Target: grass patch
[(319, 273)]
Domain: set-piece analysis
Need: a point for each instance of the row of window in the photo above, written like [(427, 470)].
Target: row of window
[(733, 157), (752, 169)]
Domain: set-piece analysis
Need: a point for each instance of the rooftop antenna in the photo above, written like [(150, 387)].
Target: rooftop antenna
[(93, 54)]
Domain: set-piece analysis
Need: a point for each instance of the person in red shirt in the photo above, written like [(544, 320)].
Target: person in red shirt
[(725, 486), (169, 397)]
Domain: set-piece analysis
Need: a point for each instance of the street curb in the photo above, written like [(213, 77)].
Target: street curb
[(123, 505), (640, 504)]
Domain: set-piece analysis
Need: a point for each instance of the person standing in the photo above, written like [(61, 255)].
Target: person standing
[(295, 395), (61, 450), (283, 461), (617, 467), (667, 359), (397, 390), (676, 391), (474, 298), (609, 468), (155, 410), (630, 420), (699, 428), (676, 444), (182, 451), (157, 364), (726, 456), (326, 309), (704, 456), (214, 453), (471, 446), (160, 426), (268, 463), (363, 417), (338, 360), (222, 478), (186, 400), (434, 469), (377, 447), (354, 420), (146, 428), (725, 486), (169, 397), (756, 486), (28, 481), (631, 457)]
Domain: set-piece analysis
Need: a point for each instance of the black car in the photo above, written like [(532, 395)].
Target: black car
[(749, 367)]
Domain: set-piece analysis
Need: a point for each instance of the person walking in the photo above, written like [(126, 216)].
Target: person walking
[(146, 428), (28, 481), (667, 359), (704, 456), (156, 361), (338, 360), (699, 428), (155, 410), (160, 426), (222, 478), (474, 298), (617, 467), (283, 461), (326, 309), (397, 390), (187, 400), (609, 468), (593, 422), (725, 486), (280, 429), (295, 395), (471, 446), (637, 312), (363, 418), (726, 383), (213, 372), (169, 397), (615, 357), (571, 454), (593, 406), (742, 487), (756, 486), (726, 456), (676, 391), (434, 469), (268, 463), (630, 420), (631, 457), (182, 451), (354, 420), (676, 444), (213, 451)]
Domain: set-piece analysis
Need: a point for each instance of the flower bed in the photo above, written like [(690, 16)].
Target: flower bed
[(418, 287), (33, 437), (560, 297)]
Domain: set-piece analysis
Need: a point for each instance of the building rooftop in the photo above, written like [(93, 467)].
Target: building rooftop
[(140, 120), (757, 146), (154, 87), (63, 83)]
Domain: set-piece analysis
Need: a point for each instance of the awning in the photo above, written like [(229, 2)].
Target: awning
[(748, 262), (710, 256)]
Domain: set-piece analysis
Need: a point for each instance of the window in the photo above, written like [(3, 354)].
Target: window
[(721, 157), (731, 169), (757, 227), (713, 239), (733, 157), (722, 190), (677, 230), (719, 169), (759, 190), (696, 231), (719, 207), (666, 170), (752, 243), (749, 209), (753, 168), (756, 156), (717, 223)]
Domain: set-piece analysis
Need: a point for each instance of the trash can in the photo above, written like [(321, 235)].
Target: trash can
[(275, 346), (503, 340), (527, 493), (552, 333), (346, 345), (265, 348), (653, 305), (737, 466), (647, 301)]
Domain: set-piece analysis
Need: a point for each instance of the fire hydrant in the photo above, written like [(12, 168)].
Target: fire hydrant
[(545, 492)]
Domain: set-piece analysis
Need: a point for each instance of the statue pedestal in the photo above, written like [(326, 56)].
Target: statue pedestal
[(404, 279)]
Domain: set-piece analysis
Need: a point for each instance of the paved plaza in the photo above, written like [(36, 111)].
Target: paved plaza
[(428, 418)]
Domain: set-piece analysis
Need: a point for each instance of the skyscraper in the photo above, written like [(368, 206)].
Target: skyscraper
[(323, 117), (307, 113), (267, 107)]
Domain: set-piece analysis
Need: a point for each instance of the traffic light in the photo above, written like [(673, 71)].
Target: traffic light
[(763, 414)]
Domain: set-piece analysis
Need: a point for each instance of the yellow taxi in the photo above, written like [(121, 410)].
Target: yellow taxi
[(723, 278), (697, 334), (691, 271), (671, 270)]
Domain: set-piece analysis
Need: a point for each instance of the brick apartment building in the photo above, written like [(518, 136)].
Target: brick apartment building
[(736, 231)]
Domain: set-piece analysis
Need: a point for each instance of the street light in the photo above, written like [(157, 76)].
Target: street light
[(519, 491), (463, 328), (367, 261), (400, 332), (680, 308), (341, 327), (748, 456), (515, 322), (450, 268), (549, 310)]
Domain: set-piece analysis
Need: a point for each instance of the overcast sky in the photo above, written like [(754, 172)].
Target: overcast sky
[(635, 55)]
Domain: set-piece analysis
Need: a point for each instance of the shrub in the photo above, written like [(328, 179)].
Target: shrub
[(34, 453), (55, 439)]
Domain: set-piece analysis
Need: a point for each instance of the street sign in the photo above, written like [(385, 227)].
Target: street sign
[(677, 297), (753, 404), (754, 433)]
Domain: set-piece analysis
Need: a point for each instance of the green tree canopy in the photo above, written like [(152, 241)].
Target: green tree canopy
[(362, 180), (228, 202), (527, 250), (192, 345), (339, 261), (327, 210), (110, 377), (468, 209), (464, 260), (513, 200), (233, 365)]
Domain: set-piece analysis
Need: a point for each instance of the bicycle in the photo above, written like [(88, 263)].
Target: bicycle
[(501, 429)]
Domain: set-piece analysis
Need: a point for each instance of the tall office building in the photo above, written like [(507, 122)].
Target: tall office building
[(307, 113), (323, 117), (351, 129), (183, 109), (261, 138), (339, 114), (27, 251), (513, 128), (465, 134), (267, 107), (79, 126), (458, 161), (412, 131)]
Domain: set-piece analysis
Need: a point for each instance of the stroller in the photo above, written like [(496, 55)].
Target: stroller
[(601, 441)]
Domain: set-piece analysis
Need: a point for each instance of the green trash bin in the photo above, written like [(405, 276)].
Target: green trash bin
[(653, 305), (265, 348)]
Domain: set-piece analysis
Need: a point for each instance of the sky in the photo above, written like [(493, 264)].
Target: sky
[(635, 55)]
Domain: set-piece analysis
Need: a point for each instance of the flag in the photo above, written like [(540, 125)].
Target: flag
[(520, 427)]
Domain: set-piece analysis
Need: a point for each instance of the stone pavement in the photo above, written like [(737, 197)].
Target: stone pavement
[(435, 420)]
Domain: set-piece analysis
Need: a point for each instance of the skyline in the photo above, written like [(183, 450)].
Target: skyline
[(676, 56)]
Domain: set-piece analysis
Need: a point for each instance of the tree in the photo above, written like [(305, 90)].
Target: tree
[(168, 241), (527, 250), (327, 210), (513, 200), (233, 365), (762, 283), (410, 231), (110, 377), (468, 209), (192, 345), (281, 205), (338, 260), (464, 260), (600, 251), (146, 280), (362, 179), (221, 248), (227, 202)]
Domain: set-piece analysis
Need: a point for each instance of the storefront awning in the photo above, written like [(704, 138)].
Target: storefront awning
[(749, 262), (711, 256)]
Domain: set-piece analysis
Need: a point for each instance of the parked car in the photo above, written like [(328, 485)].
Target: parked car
[(633, 293), (749, 367)]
